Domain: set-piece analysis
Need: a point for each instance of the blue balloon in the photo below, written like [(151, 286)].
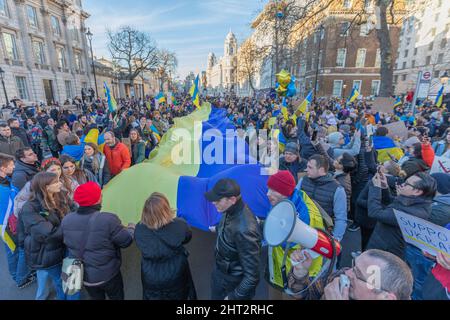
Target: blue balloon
[(291, 90)]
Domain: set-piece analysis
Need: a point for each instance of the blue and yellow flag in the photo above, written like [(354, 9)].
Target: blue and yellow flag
[(353, 96), (398, 102), (160, 98), (112, 104), (440, 97), (303, 108), (7, 195), (194, 92)]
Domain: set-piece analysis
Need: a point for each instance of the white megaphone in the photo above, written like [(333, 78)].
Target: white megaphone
[(283, 225)]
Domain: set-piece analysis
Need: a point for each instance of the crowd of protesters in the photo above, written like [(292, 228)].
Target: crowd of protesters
[(334, 151)]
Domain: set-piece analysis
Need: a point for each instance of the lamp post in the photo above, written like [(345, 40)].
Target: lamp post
[(321, 28), (89, 36), (345, 87), (2, 76)]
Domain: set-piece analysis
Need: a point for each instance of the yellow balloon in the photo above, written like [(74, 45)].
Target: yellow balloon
[(284, 78)]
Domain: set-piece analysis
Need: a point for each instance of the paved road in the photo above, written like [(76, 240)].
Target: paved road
[(201, 261)]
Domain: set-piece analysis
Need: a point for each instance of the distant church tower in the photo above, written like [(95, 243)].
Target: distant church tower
[(230, 46)]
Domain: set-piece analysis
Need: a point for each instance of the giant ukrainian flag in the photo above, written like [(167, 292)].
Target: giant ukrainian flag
[(185, 184)]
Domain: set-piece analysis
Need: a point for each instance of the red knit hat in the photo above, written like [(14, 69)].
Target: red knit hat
[(88, 194), (282, 182)]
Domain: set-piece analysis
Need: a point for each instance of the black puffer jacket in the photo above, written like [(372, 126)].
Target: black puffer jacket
[(295, 167), (387, 235), (238, 249), (23, 172), (21, 133), (40, 233), (102, 257), (165, 268)]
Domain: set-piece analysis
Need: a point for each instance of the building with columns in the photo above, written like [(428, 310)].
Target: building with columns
[(44, 50), (221, 75)]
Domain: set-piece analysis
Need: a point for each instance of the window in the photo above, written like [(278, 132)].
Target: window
[(78, 62), (378, 59), (340, 60), (436, 74), (404, 77), (337, 88), (320, 59), (375, 89), (10, 46), (413, 63), (408, 41), (447, 27), (406, 53), (357, 85), (69, 92), (367, 4), (61, 58), (436, 17), (428, 60), (55, 26), (439, 4), (395, 80), (440, 58), (443, 43), (38, 48), (415, 51), (3, 8), (361, 58), (404, 65), (430, 46), (345, 28), (32, 16), (22, 88), (364, 30), (347, 4), (433, 32)]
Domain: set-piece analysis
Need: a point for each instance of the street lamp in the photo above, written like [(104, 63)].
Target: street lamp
[(89, 36), (444, 78), (2, 76), (321, 29), (345, 87)]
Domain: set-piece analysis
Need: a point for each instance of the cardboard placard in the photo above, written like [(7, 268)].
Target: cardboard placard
[(384, 105), (397, 129), (423, 234), (441, 165)]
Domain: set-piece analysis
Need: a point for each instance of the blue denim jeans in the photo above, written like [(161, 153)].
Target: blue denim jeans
[(420, 267), (17, 265), (54, 274)]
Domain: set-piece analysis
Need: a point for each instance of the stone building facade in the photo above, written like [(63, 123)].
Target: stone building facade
[(221, 74), (44, 51), (424, 46)]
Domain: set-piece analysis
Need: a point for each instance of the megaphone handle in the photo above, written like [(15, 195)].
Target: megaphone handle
[(283, 266)]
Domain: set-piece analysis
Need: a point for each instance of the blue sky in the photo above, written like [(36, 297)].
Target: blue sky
[(191, 28)]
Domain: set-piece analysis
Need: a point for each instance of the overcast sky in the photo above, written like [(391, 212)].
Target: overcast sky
[(191, 28)]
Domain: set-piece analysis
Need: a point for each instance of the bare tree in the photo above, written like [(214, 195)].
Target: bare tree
[(249, 62), (167, 66), (134, 51)]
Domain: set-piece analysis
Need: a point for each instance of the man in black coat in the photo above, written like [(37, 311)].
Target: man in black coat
[(102, 235), (19, 132), (238, 247), (26, 167), (414, 197)]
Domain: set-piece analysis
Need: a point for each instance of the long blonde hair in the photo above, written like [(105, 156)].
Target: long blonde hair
[(157, 212)]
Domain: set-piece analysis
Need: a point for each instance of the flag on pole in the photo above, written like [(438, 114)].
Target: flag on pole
[(303, 108), (440, 97), (353, 96), (398, 102), (194, 92), (112, 104)]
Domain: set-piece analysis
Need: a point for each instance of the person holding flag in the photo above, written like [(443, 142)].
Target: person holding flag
[(112, 104), (195, 92), (439, 98), (353, 96)]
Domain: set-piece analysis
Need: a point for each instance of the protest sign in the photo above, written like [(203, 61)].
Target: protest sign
[(384, 105), (423, 234), (441, 165), (397, 129)]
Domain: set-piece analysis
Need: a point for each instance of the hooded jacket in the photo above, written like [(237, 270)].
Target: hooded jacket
[(23, 172), (164, 266)]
